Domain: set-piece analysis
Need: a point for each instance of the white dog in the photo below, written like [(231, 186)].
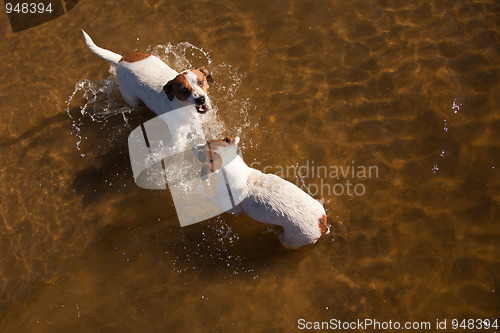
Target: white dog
[(144, 78), (264, 197)]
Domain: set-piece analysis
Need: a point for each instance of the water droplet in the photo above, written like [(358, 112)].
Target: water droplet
[(456, 107)]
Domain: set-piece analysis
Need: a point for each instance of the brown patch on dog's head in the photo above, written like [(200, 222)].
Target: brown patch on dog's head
[(211, 160), (134, 57), (323, 227), (179, 88), (227, 141), (203, 75), (215, 159), (212, 163)]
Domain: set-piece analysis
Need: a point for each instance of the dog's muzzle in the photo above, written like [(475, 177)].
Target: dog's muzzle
[(201, 104)]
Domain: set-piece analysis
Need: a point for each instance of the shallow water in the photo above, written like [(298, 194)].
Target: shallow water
[(407, 88)]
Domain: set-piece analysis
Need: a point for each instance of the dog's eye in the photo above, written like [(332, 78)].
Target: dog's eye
[(201, 83), (185, 91)]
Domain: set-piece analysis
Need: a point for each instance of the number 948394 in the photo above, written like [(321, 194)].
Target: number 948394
[(28, 8), (475, 324)]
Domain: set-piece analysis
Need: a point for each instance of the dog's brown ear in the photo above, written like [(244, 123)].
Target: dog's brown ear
[(206, 73), (211, 165), (169, 90), (216, 162)]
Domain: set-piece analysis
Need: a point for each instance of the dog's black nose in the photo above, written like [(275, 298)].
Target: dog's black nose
[(200, 100)]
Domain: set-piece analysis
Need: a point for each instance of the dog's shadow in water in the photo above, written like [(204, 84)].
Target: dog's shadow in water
[(208, 246), (104, 145), (201, 248)]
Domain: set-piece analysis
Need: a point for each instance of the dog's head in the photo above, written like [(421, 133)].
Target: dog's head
[(191, 86), (216, 153)]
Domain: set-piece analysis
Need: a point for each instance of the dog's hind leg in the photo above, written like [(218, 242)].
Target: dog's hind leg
[(290, 242)]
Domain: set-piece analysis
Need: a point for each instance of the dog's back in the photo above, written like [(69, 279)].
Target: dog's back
[(143, 81), (273, 200)]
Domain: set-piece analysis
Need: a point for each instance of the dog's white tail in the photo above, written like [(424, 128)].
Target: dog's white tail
[(107, 55)]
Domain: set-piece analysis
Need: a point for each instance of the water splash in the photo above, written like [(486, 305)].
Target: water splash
[(101, 99), (216, 246)]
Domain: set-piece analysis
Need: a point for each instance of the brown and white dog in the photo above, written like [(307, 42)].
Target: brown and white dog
[(144, 78), (266, 198)]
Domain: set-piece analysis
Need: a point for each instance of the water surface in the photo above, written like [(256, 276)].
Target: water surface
[(408, 87)]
